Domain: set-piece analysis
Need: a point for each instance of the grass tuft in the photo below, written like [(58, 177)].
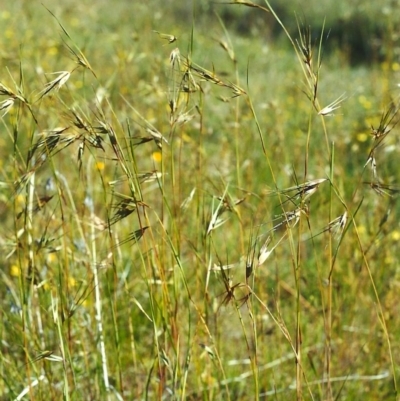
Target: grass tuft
[(189, 222)]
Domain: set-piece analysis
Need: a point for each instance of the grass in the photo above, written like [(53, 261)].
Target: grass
[(188, 213)]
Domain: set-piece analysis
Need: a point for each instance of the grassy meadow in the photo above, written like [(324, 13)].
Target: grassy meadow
[(199, 201)]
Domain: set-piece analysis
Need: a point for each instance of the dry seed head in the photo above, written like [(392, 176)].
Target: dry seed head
[(101, 94), (229, 288), (229, 204), (158, 137), (227, 48), (38, 205), (337, 226), (79, 121), (47, 143), (249, 4), (95, 140), (56, 84), (290, 219), (172, 106), (83, 62), (188, 83), (336, 104), (80, 58), (6, 91), (236, 90), (264, 253), (133, 237), (124, 208), (386, 119), (206, 75), (372, 160), (166, 36), (210, 76), (6, 105), (305, 47), (218, 268), (383, 189), (183, 118), (149, 177), (98, 223), (208, 350), (309, 188), (185, 204), (175, 57), (215, 222), (302, 191)]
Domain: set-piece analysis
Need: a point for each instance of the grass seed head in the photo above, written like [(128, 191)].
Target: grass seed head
[(336, 104), (6, 91), (6, 106), (383, 189), (134, 237), (337, 225), (264, 253), (80, 59), (56, 84), (290, 219), (385, 123), (167, 37), (372, 160), (175, 57), (301, 192)]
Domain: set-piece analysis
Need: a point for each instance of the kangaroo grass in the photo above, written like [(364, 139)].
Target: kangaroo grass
[(171, 233)]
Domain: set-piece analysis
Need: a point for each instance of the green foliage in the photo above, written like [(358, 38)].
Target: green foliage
[(190, 211)]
